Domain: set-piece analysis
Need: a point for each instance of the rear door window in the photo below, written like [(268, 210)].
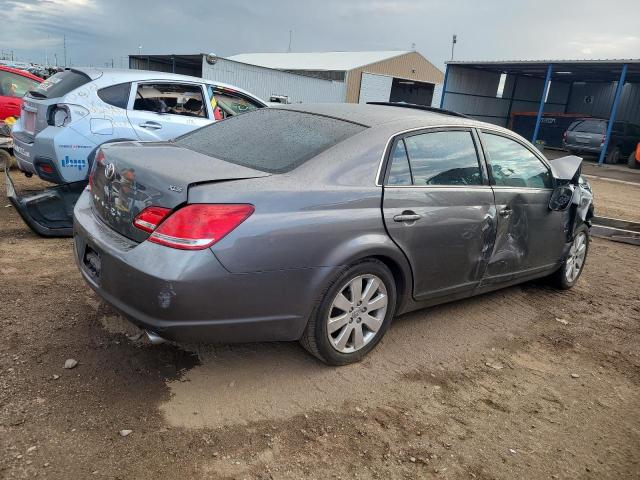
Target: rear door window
[(227, 103), (511, 164), (271, 140), (399, 171), (446, 158), (60, 84), (170, 98), (116, 95)]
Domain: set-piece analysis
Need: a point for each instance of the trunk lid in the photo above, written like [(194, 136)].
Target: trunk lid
[(135, 175)]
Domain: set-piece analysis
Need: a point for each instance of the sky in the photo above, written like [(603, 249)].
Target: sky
[(101, 31)]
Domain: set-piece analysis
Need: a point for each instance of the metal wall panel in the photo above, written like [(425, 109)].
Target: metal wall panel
[(473, 92), (375, 88), (265, 82), (601, 97), (437, 95)]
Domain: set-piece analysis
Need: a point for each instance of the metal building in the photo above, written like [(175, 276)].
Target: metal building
[(396, 76), (263, 82), (498, 92)]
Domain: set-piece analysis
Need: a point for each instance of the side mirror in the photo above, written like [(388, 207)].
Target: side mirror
[(561, 197)]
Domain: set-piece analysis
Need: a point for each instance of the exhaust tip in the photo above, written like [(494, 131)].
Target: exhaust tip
[(154, 338)]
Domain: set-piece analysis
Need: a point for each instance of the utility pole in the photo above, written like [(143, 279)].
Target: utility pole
[(453, 44), (64, 46), (290, 38)]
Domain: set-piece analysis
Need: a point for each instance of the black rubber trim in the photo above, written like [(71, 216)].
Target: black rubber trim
[(27, 206)]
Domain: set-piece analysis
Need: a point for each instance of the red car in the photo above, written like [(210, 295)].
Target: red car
[(14, 84)]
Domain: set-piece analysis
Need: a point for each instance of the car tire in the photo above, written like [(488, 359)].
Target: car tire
[(356, 330), (613, 156), (566, 276), (632, 162)]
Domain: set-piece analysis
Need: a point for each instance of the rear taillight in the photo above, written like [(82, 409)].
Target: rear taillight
[(198, 226), (99, 161), (149, 219), (564, 136)]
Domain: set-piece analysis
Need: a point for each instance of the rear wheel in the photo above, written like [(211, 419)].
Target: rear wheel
[(570, 270), (632, 161), (613, 156), (353, 314)]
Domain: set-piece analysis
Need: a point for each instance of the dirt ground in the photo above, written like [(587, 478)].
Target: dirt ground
[(527, 382), (616, 199)]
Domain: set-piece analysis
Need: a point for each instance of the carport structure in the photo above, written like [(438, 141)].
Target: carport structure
[(494, 91)]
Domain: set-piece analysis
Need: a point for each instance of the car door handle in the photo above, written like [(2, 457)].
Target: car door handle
[(151, 125), (506, 212), (407, 217)]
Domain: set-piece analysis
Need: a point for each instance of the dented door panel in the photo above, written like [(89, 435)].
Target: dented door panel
[(529, 235), (451, 243)]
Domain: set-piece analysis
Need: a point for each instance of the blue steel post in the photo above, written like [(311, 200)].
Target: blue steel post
[(545, 90), (612, 116), (444, 86)]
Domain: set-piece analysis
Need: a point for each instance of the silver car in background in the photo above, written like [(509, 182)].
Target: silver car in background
[(70, 115), (319, 223)]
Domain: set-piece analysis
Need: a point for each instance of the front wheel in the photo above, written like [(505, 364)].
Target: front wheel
[(570, 270), (353, 314), (632, 161)]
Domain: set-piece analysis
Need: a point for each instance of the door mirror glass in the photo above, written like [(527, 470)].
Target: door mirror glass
[(561, 197)]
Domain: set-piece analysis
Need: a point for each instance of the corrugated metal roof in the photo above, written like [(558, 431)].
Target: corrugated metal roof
[(325, 61), (545, 62)]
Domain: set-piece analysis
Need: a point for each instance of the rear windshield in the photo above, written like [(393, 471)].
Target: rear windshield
[(270, 140), (589, 126), (60, 84)]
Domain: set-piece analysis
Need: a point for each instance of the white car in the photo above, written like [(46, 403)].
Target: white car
[(66, 119)]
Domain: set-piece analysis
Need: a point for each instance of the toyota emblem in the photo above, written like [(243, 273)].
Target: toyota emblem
[(109, 170)]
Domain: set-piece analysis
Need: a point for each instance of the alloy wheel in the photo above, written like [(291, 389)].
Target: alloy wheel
[(575, 260), (357, 313)]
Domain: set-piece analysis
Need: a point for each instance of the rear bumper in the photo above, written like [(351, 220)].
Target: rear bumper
[(64, 149), (188, 296), (581, 148), (48, 212)]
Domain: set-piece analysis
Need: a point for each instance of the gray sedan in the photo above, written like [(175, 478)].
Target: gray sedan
[(320, 223)]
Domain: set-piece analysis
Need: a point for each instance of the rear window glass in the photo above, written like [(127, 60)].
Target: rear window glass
[(590, 126), (60, 84), (270, 140), (116, 95)]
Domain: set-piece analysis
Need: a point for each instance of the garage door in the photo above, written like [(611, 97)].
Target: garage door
[(375, 88)]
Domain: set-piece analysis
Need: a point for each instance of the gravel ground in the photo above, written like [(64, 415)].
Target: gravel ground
[(527, 382)]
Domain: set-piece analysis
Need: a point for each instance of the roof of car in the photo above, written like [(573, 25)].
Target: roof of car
[(374, 115), (133, 75), (18, 71)]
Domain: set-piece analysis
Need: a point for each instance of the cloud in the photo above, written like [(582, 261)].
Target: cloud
[(100, 30)]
